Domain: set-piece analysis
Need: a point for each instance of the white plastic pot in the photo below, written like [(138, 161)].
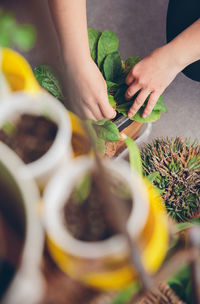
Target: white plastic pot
[(58, 192), (27, 286), (42, 104)]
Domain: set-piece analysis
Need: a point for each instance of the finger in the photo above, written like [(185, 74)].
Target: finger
[(94, 108), (132, 90), (107, 110), (89, 114), (130, 78), (138, 102), (151, 104)]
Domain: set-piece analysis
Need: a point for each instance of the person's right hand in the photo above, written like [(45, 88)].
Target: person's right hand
[(90, 90)]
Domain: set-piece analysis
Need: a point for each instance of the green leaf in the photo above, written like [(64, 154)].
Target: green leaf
[(24, 37), (83, 189), (13, 34), (124, 108), (100, 122), (189, 224), (8, 127), (120, 94), (125, 296), (108, 131), (112, 66), (47, 78), (98, 142), (93, 36), (112, 87), (107, 44), (155, 115), (159, 105), (130, 62), (134, 155), (181, 284), (151, 177), (112, 101)]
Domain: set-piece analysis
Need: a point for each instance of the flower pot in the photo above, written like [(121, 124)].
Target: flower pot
[(42, 104), (105, 264), (22, 230)]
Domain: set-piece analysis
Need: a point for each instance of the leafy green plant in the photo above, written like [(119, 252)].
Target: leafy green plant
[(104, 51), (177, 166), (48, 79), (102, 131), (12, 33)]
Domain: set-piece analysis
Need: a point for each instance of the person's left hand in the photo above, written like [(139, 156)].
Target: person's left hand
[(151, 76)]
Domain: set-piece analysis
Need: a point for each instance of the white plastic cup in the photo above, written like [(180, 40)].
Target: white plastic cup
[(27, 286), (42, 104), (58, 192)]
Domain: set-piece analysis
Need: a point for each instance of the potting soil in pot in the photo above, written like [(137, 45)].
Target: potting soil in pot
[(86, 216), (30, 137), (12, 235)]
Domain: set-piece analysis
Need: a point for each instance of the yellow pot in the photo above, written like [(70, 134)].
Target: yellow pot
[(80, 140), (17, 72), (107, 269)]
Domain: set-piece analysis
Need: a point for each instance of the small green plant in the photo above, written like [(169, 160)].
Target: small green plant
[(177, 166), (104, 51), (102, 131), (48, 79), (13, 34)]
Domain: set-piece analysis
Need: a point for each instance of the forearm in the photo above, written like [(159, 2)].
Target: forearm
[(70, 20), (185, 48)]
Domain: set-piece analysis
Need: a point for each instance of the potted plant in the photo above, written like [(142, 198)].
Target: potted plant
[(102, 261), (38, 128)]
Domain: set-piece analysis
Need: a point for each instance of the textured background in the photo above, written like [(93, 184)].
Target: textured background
[(140, 26)]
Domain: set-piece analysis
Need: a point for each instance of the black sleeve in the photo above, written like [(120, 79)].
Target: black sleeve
[(181, 14)]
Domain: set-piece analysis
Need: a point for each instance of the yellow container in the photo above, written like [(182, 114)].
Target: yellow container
[(80, 140), (110, 271), (17, 72)]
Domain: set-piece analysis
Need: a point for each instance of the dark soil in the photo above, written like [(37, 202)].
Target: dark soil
[(31, 137), (88, 220)]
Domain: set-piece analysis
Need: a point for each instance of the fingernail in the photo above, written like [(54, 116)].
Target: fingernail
[(130, 114), (128, 94), (114, 114), (144, 115)]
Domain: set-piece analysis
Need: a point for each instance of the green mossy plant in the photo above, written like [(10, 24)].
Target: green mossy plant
[(177, 164)]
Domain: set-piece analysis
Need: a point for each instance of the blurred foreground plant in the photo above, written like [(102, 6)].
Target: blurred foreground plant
[(13, 34)]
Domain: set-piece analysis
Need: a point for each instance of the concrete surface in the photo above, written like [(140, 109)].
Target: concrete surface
[(140, 26)]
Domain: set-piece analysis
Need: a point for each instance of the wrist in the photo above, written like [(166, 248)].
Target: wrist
[(177, 54)]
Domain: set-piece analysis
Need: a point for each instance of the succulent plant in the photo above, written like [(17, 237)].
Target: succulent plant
[(177, 163)]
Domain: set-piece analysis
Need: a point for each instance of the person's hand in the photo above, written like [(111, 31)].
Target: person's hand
[(90, 90), (151, 75)]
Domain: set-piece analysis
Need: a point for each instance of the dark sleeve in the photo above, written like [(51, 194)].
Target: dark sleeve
[(181, 14)]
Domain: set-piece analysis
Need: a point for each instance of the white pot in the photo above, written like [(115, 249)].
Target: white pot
[(27, 284), (39, 104), (59, 190)]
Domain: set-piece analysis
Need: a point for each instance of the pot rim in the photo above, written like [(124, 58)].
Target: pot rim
[(56, 195), (21, 102)]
